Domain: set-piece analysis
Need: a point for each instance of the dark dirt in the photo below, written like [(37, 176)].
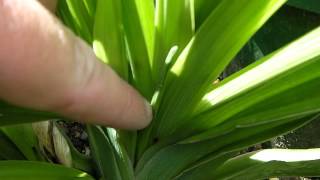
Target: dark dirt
[(77, 134)]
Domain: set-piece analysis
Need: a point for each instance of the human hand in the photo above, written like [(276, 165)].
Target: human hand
[(44, 66)]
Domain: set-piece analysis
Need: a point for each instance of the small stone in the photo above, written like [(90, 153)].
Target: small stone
[(77, 134), (86, 151), (84, 136)]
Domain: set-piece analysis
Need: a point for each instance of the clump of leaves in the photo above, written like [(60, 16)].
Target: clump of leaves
[(172, 52)]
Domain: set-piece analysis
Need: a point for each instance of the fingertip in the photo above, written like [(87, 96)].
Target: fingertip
[(100, 96), (148, 115)]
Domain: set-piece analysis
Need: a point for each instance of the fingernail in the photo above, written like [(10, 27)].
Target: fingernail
[(148, 110)]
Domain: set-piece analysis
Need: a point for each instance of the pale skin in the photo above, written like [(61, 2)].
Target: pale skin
[(44, 66)]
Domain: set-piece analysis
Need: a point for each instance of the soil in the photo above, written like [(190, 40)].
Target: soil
[(77, 134)]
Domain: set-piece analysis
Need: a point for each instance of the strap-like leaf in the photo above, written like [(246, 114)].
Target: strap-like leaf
[(137, 33), (17, 170), (145, 9), (108, 36), (10, 114), (111, 158), (202, 9), (82, 14), (207, 54), (24, 138), (8, 150), (309, 5), (174, 26), (155, 165), (250, 95), (103, 153), (123, 160), (270, 163)]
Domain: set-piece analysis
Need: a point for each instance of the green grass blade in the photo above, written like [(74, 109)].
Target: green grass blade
[(270, 163), (10, 115), (15, 170), (108, 36), (174, 23), (210, 50), (137, 42)]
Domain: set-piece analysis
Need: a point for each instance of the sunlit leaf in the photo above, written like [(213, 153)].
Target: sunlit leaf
[(174, 26), (136, 40), (250, 95), (270, 163), (108, 36), (205, 57)]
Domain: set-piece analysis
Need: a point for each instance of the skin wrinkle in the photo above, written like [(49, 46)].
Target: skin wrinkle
[(25, 30), (44, 58), (126, 107), (44, 66), (83, 68)]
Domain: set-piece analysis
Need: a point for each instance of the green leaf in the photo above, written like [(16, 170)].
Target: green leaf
[(210, 50), (65, 15), (103, 153), (181, 156), (309, 5), (90, 8), (123, 160), (108, 36), (171, 36), (174, 26), (146, 11), (25, 140), (8, 150), (201, 170), (136, 35), (82, 14), (109, 155), (285, 26), (270, 163), (129, 141), (14, 170), (10, 115), (250, 95), (203, 8)]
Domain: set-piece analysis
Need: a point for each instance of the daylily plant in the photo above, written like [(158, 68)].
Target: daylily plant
[(172, 51)]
